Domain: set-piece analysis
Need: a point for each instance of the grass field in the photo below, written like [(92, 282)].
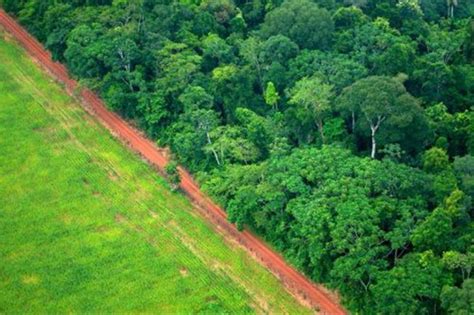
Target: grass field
[(86, 226)]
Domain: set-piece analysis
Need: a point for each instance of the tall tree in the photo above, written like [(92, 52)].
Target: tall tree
[(378, 99), (314, 98), (302, 21), (451, 4), (271, 96)]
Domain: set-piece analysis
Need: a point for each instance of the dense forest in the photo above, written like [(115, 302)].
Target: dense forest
[(341, 131)]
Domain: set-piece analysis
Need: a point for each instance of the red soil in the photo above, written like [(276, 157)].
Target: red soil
[(292, 279)]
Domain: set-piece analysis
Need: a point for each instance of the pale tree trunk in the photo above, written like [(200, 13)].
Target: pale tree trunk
[(222, 155), (320, 126), (374, 143), (353, 121), (373, 129), (127, 67), (365, 285), (216, 156), (451, 4)]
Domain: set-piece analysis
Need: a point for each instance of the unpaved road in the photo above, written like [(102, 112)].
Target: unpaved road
[(292, 279)]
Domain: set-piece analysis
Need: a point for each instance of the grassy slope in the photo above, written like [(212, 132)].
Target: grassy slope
[(86, 226)]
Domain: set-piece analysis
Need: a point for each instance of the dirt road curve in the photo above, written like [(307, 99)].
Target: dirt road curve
[(293, 280)]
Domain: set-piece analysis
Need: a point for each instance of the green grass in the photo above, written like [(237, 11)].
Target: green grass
[(86, 226)]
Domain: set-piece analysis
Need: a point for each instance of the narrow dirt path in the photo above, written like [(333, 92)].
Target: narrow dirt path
[(292, 279)]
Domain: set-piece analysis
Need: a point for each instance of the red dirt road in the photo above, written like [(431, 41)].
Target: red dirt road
[(292, 279)]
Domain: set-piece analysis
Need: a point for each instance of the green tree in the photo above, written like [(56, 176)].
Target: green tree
[(435, 160), (412, 286), (271, 96), (451, 4), (357, 239), (336, 69), (216, 50), (177, 65), (83, 50), (410, 7), (459, 301), (278, 48), (58, 23), (191, 137), (464, 262), (153, 111), (233, 88), (349, 17), (469, 44), (440, 230), (195, 97), (230, 146), (435, 232), (464, 171), (433, 71), (223, 10), (302, 21), (313, 97), (250, 50), (379, 100), (256, 129)]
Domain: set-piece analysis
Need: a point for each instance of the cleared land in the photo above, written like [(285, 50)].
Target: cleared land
[(86, 226)]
